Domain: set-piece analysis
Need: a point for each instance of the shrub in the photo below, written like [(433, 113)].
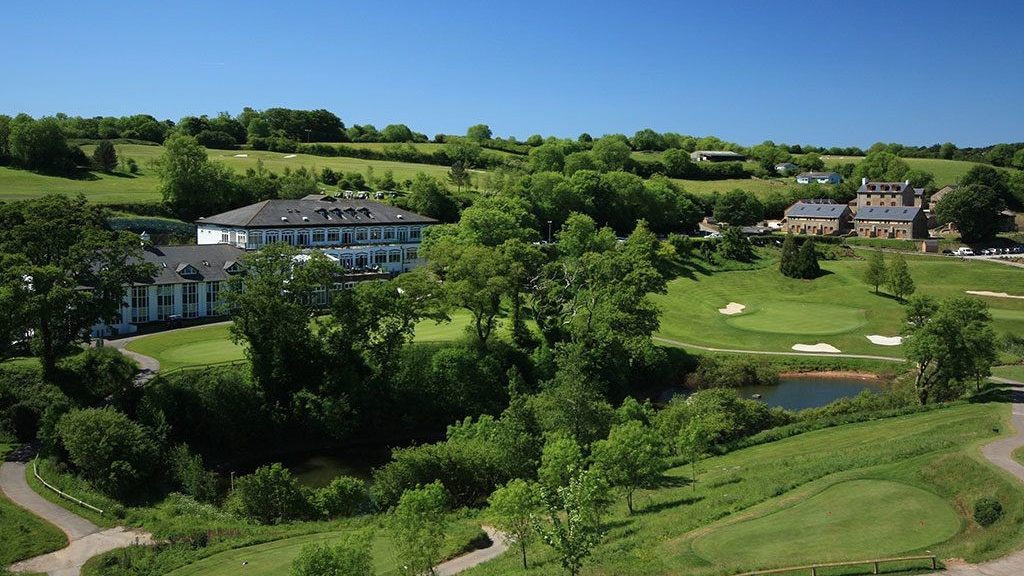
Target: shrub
[(987, 511), (110, 450), (186, 469), (97, 373), (344, 496), (270, 495)]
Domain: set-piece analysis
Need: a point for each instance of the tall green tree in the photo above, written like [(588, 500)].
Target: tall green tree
[(874, 274), (191, 185), (734, 245), (948, 342), (898, 279), (109, 449), (417, 526), (807, 261), (479, 133), (105, 156), (353, 556), (973, 209), (573, 526), (788, 261), (458, 175), (513, 508), (65, 269), (630, 458), (739, 208)]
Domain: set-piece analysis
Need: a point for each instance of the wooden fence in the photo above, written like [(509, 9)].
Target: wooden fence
[(35, 472), (812, 569)]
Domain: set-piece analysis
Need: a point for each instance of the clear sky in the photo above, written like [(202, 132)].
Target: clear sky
[(818, 72)]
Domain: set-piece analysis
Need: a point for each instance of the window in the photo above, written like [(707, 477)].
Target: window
[(189, 301), (360, 234), (361, 260), (402, 234), (164, 301), (288, 237), (380, 257), (395, 256), (389, 233), (332, 235), (303, 239), (240, 241), (255, 238), (319, 236), (224, 237), (273, 237), (140, 304), (375, 234), (346, 261), (346, 237), (410, 254), (414, 233), (320, 296), (212, 298)]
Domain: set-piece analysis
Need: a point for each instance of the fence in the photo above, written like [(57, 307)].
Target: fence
[(35, 472), (813, 568)]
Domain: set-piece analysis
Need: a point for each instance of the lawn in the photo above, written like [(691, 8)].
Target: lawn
[(837, 308), (144, 187), (756, 186), (274, 558), (23, 535), (768, 505), (945, 171), (211, 344), (1014, 372)]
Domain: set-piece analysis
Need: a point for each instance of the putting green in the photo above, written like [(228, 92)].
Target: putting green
[(273, 558), (785, 317), (850, 520)]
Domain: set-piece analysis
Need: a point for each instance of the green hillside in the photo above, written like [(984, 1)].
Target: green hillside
[(945, 171), (143, 187)]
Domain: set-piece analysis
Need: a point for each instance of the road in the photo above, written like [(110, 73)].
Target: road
[(85, 539)]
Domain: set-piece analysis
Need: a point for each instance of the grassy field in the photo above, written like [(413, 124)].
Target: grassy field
[(22, 535), (212, 344), (1015, 372), (893, 486), (274, 558), (758, 187), (143, 187), (945, 171), (837, 308)]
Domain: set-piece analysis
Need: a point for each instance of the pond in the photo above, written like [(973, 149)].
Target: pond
[(317, 469), (799, 392)]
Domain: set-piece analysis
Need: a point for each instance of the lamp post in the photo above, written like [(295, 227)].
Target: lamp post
[(549, 231)]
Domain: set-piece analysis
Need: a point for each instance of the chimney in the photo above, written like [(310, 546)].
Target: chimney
[(908, 182), (863, 181)]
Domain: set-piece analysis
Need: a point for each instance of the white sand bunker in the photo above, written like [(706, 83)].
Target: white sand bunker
[(993, 294), (290, 156), (886, 340), (819, 347), (732, 308), (241, 155)]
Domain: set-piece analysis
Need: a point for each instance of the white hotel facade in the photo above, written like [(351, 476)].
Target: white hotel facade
[(369, 240)]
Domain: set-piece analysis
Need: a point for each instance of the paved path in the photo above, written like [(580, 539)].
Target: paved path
[(85, 538), (768, 353), (999, 453), (499, 544)]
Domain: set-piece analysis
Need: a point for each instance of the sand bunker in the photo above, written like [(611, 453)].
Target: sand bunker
[(732, 308), (290, 156), (241, 155), (819, 347), (993, 294), (886, 340)]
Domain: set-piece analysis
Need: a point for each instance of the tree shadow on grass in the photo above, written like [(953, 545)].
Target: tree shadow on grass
[(121, 175), (993, 392), (668, 504)]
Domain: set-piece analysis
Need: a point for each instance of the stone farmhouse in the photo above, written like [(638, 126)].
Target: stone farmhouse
[(891, 222), (818, 218), (888, 194), (369, 240)]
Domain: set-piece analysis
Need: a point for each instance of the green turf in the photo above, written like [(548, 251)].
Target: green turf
[(841, 522), (932, 458), (837, 308), (275, 558), (758, 187), (144, 187), (23, 535), (781, 317), (189, 347), (1015, 372)]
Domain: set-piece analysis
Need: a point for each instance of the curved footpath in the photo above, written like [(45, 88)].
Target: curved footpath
[(499, 544), (85, 539)]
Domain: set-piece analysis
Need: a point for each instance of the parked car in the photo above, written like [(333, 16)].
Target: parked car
[(964, 251)]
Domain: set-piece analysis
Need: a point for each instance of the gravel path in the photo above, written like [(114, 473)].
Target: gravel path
[(499, 544), (85, 538)]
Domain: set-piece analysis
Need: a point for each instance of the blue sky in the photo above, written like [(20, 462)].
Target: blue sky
[(825, 72)]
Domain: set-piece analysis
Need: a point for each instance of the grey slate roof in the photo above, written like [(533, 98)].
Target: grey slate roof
[(824, 211), (890, 213), (314, 211), (210, 262)]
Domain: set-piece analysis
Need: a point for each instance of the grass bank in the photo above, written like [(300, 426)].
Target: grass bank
[(22, 534)]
